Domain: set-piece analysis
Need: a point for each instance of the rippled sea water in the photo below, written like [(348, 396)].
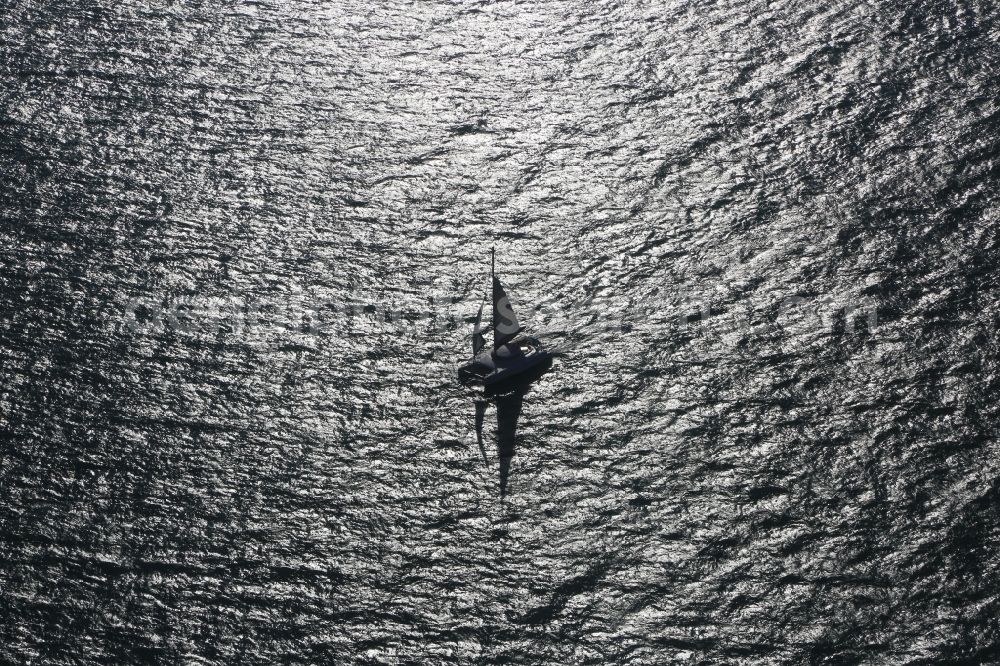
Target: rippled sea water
[(242, 247)]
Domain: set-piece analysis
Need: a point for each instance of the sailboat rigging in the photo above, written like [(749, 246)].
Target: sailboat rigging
[(512, 354)]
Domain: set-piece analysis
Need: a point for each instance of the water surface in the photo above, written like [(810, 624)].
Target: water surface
[(242, 248)]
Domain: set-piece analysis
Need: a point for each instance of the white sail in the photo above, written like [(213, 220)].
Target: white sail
[(505, 326), (478, 341)]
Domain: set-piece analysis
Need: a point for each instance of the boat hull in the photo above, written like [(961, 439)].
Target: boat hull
[(516, 367), (522, 377), (508, 373)]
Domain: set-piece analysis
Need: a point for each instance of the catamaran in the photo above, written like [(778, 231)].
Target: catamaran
[(512, 355)]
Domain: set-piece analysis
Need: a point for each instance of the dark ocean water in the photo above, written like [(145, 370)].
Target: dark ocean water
[(242, 246)]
